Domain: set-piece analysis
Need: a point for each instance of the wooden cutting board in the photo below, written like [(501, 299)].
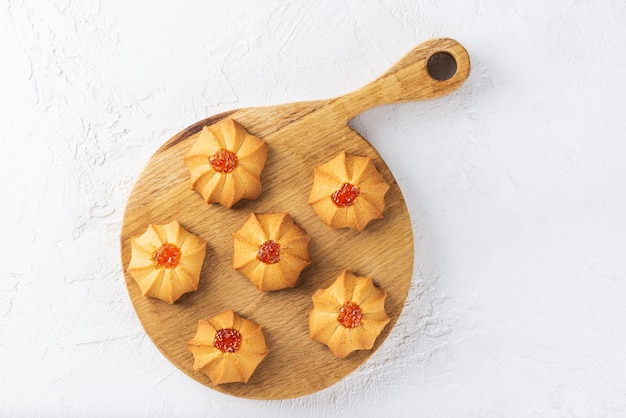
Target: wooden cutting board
[(299, 136)]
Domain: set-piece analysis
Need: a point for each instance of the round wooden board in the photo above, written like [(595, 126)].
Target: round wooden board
[(300, 136), (296, 365)]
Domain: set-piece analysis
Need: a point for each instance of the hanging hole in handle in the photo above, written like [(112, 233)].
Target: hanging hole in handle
[(441, 66)]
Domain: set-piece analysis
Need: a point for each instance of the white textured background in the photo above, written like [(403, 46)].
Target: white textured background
[(516, 186)]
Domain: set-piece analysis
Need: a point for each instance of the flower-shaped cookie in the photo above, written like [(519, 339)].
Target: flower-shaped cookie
[(166, 261), (227, 348), (349, 315), (348, 191), (271, 251), (225, 163)]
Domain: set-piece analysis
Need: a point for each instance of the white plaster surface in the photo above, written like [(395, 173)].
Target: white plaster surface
[(516, 185)]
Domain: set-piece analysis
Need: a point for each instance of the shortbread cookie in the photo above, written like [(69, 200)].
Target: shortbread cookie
[(225, 163), (166, 261), (349, 315), (228, 348), (348, 192), (271, 251)]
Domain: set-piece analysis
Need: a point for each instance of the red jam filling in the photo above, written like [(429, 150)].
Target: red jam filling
[(223, 161), (269, 252), (168, 256), (350, 315), (227, 340), (346, 195)]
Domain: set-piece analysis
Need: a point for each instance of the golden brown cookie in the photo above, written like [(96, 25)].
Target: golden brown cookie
[(166, 261), (228, 348), (225, 163), (271, 251), (348, 192), (349, 315)]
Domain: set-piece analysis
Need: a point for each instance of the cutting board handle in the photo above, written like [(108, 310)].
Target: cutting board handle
[(433, 69)]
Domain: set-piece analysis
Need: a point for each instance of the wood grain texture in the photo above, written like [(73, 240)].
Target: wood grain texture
[(299, 136)]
